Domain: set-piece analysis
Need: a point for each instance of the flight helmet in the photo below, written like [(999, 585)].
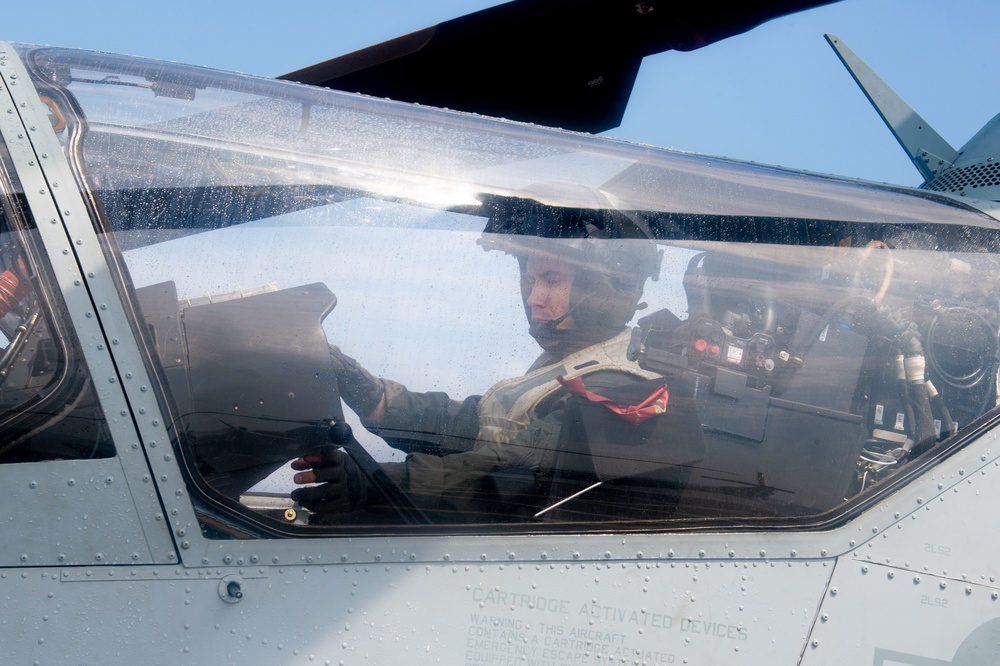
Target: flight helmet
[(611, 254)]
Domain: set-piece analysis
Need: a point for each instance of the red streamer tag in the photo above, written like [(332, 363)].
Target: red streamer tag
[(654, 405)]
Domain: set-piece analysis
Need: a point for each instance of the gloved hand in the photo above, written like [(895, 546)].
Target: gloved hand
[(342, 485), (361, 390)]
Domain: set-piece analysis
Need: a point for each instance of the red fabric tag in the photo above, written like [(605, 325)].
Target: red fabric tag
[(654, 405)]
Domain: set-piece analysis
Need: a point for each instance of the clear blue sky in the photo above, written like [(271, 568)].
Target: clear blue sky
[(775, 95)]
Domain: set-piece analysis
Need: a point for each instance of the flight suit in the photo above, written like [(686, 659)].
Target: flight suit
[(515, 424)]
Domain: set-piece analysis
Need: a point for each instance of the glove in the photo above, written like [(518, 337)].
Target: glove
[(358, 388), (342, 486)]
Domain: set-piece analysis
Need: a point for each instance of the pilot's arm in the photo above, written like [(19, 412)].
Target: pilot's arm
[(455, 482), (408, 420), (361, 390), (430, 422)]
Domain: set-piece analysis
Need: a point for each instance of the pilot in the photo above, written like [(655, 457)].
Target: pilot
[(579, 290)]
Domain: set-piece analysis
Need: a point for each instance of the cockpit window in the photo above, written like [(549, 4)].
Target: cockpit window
[(48, 407), (370, 316)]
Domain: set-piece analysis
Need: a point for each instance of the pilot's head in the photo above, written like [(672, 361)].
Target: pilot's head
[(581, 280)]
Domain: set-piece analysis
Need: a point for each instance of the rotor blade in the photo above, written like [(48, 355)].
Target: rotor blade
[(562, 63), (927, 149)]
